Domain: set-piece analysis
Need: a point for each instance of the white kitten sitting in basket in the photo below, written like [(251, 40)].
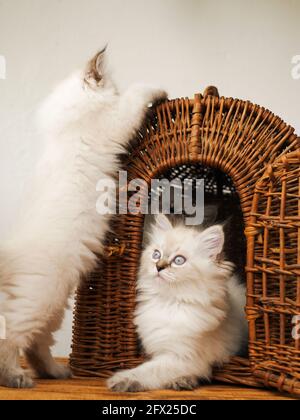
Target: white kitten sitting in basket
[(190, 309)]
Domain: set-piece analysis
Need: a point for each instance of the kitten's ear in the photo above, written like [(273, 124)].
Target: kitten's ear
[(96, 67), (212, 241), (163, 223)]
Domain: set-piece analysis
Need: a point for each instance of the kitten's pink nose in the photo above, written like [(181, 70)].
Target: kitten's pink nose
[(161, 265)]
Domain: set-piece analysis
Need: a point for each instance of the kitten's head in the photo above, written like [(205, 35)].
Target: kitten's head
[(81, 96), (178, 254)]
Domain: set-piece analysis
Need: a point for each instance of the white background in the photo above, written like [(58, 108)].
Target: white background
[(243, 47)]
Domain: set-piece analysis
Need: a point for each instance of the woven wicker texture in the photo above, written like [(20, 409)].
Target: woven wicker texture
[(245, 154), (274, 275)]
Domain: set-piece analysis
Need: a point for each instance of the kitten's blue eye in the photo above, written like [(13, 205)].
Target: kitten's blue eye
[(156, 255), (179, 260)]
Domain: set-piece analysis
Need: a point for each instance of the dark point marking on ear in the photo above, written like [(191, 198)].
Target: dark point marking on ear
[(95, 67)]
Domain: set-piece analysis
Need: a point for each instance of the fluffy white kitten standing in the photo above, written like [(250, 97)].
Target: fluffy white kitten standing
[(85, 124), (190, 311)]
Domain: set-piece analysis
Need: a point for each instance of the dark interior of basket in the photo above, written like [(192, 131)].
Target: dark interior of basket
[(222, 205)]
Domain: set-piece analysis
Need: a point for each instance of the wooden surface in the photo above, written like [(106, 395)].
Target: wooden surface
[(95, 389)]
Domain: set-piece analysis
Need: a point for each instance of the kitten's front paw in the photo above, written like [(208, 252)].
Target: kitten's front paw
[(17, 379), (184, 383), (63, 372), (123, 383)]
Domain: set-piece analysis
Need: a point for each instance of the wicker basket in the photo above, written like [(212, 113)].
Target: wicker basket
[(241, 150)]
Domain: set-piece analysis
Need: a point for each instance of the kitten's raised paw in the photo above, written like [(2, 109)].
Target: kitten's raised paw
[(17, 379), (158, 96), (184, 383), (120, 383), (149, 93)]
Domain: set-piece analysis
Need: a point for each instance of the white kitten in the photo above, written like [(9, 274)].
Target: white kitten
[(190, 310), (85, 124)]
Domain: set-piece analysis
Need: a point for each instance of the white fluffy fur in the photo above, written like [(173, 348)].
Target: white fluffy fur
[(85, 123), (188, 317)]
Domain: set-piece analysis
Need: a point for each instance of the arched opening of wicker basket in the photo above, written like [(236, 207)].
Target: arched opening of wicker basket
[(229, 142)]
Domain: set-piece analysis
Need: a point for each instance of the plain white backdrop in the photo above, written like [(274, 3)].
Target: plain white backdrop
[(245, 48)]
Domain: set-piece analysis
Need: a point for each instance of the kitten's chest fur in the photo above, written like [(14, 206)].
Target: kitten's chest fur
[(163, 323)]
